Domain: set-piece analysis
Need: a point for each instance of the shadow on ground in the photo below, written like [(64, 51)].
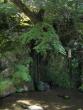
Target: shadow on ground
[(51, 100)]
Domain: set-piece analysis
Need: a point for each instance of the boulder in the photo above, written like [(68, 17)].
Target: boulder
[(35, 107), (6, 88), (8, 91)]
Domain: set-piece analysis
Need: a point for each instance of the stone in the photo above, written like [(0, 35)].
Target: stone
[(79, 109), (17, 107), (28, 86), (35, 107), (9, 89), (6, 73)]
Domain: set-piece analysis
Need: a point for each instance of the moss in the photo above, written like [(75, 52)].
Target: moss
[(4, 85), (45, 39), (57, 71), (21, 74)]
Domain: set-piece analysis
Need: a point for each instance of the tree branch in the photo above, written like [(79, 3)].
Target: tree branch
[(35, 17)]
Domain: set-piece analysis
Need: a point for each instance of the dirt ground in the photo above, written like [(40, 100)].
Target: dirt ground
[(50, 100)]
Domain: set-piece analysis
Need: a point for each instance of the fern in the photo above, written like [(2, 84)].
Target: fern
[(21, 74), (8, 8), (45, 39)]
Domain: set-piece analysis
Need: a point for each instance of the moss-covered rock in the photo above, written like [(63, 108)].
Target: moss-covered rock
[(6, 88), (58, 71)]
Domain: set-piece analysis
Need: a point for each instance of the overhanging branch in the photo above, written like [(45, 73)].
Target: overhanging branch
[(35, 17)]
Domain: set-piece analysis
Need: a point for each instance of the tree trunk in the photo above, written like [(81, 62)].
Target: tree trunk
[(34, 17), (5, 1), (80, 58)]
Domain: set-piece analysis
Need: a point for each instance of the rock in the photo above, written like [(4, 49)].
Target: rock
[(79, 109), (30, 86), (8, 91), (35, 107), (43, 86), (7, 88), (17, 107), (25, 86), (6, 68), (20, 105), (6, 73)]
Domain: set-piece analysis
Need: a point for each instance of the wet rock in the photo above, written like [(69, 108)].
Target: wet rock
[(17, 107), (35, 107), (20, 106), (25, 86), (79, 109), (23, 106), (43, 86)]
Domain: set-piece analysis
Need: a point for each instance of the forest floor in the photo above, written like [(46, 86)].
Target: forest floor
[(49, 100)]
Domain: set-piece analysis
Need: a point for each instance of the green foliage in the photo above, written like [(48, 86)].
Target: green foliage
[(81, 88), (21, 74), (60, 9), (45, 38), (10, 18), (74, 63), (7, 13), (4, 43), (63, 80), (8, 9), (57, 71), (4, 85), (65, 14)]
